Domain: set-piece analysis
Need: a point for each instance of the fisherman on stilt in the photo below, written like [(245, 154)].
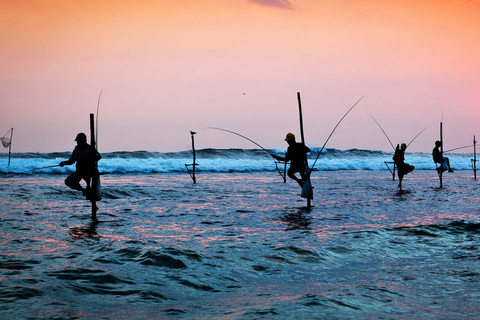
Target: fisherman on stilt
[(82, 156), (297, 155), (440, 159), (402, 167)]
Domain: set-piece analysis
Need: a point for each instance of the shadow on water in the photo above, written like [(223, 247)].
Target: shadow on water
[(297, 218), (82, 232), (401, 195)]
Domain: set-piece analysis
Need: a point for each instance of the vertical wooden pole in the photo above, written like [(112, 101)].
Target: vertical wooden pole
[(440, 174), (10, 147), (301, 117), (474, 158), (194, 158), (302, 135), (93, 197)]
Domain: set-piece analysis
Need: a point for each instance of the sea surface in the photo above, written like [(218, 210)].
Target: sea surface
[(240, 243)]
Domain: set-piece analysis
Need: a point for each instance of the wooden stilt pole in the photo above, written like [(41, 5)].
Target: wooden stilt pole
[(474, 158), (309, 204), (194, 158), (440, 173), (10, 147), (93, 169)]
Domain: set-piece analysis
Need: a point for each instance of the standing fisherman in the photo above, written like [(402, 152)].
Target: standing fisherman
[(399, 159), (297, 155), (84, 159)]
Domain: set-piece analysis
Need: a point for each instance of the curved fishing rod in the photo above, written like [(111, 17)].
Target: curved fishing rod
[(318, 155), (417, 135), (389, 138), (238, 134), (384, 131)]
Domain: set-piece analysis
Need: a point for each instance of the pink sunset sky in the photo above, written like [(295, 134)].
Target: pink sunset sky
[(170, 66)]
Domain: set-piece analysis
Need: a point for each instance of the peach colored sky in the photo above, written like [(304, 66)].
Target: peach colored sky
[(170, 66)]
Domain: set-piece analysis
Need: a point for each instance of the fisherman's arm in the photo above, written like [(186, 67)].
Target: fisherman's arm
[(70, 161), (279, 158)]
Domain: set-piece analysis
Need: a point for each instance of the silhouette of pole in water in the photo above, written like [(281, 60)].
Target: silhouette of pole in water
[(307, 184), (440, 173), (7, 143), (474, 160), (94, 171), (10, 147), (192, 174)]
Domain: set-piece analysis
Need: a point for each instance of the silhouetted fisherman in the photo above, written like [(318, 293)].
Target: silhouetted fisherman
[(82, 155), (440, 159), (402, 167), (297, 155)]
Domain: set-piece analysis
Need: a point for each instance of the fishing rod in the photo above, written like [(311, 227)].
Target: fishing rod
[(383, 130), (334, 131), (458, 148), (389, 138), (238, 134), (417, 135), (57, 165)]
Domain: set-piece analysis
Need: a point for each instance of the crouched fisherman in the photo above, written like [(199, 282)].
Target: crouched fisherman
[(402, 167), (440, 159), (297, 155), (82, 155)]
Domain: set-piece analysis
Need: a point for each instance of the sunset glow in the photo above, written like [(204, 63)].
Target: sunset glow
[(167, 67)]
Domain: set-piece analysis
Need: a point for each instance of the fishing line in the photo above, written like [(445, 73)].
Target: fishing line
[(458, 148), (57, 165), (238, 134), (334, 131)]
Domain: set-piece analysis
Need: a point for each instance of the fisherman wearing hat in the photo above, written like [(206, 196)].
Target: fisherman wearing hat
[(297, 155), (82, 155), (399, 160)]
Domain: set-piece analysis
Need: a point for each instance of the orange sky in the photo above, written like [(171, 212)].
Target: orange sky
[(170, 66)]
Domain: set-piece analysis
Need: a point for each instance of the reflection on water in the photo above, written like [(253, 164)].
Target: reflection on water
[(88, 231), (236, 247), (296, 219)]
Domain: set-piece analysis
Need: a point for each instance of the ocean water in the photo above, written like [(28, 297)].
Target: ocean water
[(222, 160), (240, 243)]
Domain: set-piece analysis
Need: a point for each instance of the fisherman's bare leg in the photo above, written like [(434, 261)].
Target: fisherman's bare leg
[(448, 164), (73, 181), (400, 179), (291, 174)]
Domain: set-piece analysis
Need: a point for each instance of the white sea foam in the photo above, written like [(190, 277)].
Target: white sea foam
[(222, 160)]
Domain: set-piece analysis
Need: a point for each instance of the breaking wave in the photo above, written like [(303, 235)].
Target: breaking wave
[(221, 160)]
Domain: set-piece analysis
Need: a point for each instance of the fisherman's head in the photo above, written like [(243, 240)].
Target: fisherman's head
[(290, 138), (403, 147), (438, 144), (81, 138)]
